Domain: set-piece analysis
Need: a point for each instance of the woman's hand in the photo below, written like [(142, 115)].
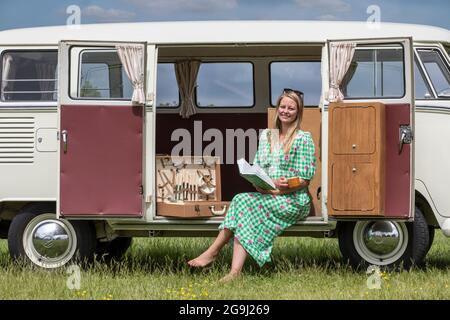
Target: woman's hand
[(261, 190), (283, 187), (272, 192), (281, 184)]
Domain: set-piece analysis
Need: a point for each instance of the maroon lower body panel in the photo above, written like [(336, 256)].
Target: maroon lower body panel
[(398, 168), (101, 171)]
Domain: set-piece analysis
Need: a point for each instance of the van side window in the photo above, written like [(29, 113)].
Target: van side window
[(167, 95), (375, 72), (29, 76), (101, 76), (225, 84), (300, 75), (437, 70), (422, 90)]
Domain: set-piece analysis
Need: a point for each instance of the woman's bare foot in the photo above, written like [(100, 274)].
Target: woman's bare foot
[(202, 260), (233, 275)]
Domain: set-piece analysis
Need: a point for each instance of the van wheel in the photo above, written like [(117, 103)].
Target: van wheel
[(431, 236), (36, 236), (385, 243), (115, 249)]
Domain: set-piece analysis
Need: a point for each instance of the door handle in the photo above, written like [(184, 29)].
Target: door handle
[(405, 137), (64, 135)]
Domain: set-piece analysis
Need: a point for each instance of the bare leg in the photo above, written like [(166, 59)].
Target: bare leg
[(239, 256), (211, 253)]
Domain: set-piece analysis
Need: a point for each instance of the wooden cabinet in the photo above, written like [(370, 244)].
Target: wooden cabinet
[(354, 132), (356, 159), (355, 183)]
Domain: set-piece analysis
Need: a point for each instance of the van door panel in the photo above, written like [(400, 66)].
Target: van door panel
[(395, 179), (101, 135), (397, 165), (101, 169)]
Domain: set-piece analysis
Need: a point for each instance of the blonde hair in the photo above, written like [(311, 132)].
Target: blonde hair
[(295, 126)]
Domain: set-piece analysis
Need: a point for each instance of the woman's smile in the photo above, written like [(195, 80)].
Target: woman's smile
[(287, 111), (285, 115)]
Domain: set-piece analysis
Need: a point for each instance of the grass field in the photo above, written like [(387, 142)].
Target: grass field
[(302, 268)]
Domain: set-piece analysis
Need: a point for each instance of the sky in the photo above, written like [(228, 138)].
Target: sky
[(31, 13)]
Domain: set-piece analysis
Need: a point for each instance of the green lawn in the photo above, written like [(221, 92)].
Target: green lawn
[(302, 268)]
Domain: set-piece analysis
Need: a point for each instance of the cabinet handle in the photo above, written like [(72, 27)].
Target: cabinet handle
[(353, 170), (218, 212)]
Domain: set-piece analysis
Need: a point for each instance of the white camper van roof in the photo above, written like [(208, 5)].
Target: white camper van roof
[(210, 32)]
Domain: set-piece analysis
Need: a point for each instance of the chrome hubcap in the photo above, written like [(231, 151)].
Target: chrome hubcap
[(381, 237), (49, 242), (380, 242), (50, 239)]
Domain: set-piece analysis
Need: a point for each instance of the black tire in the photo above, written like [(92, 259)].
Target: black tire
[(82, 250), (431, 232), (409, 253), (113, 250)]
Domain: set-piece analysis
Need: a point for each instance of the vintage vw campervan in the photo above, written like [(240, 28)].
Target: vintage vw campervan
[(114, 131)]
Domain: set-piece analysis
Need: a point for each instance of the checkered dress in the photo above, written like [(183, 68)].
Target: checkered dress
[(256, 218)]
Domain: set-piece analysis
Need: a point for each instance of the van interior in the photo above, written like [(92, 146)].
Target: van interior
[(256, 116)]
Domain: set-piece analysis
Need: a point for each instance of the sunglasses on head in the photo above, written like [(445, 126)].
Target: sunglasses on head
[(297, 92)]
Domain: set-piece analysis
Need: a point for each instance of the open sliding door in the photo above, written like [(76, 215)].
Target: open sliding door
[(368, 129), (101, 128)]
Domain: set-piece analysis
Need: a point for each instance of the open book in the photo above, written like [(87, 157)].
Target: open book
[(255, 175)]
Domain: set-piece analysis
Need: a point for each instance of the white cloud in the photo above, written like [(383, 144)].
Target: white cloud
[(329, 5), (107, 14), (181, 5)]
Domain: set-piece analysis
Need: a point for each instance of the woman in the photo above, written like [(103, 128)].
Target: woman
[(256, 218)]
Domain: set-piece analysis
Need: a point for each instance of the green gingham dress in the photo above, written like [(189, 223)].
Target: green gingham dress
[(256, 218)]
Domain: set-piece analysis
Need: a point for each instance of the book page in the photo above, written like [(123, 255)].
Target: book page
[(256, 175)]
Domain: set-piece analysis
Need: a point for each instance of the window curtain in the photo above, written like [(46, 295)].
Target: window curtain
[(47, 84), (186, 73), (7, 73), (132, 58), (341, 55), (348, 77)]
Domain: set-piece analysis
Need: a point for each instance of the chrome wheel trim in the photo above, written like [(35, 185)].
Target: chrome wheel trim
[(391, 236), (48, 242)]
